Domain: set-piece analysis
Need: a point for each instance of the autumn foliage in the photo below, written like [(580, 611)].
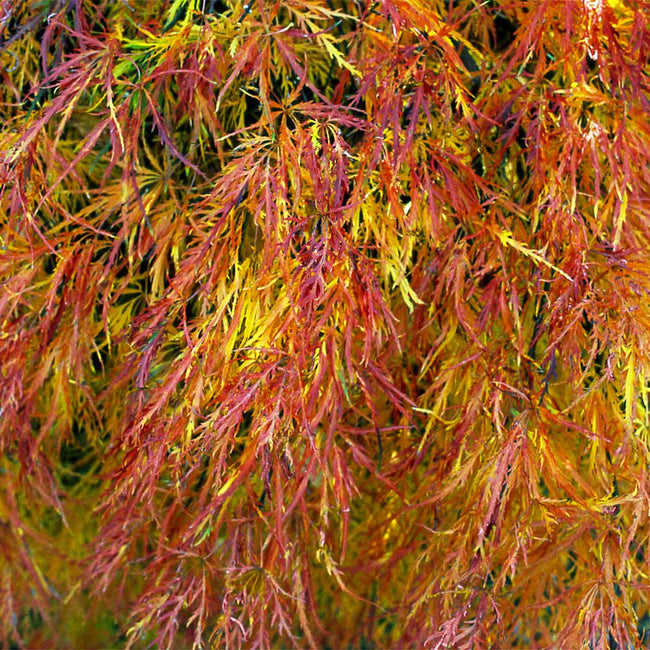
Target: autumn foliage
[(324, 323)]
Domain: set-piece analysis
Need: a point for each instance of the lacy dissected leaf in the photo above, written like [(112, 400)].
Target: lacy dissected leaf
[(324, 323)]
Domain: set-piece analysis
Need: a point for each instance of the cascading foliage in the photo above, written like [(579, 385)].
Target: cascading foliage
[(324, 323)]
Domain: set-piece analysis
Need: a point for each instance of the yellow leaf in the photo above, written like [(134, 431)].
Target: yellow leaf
[(629, 390), (508, 240), (326, 40), (620, 219)]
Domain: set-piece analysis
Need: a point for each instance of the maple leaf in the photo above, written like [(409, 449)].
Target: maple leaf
[(324, 323)]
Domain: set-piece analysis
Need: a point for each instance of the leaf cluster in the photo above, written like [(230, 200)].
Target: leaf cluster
[(324, 323)]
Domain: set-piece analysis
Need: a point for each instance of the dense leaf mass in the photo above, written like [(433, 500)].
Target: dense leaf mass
[(324, 323)]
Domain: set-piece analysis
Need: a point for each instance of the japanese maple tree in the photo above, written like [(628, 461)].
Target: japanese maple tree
[(324, 323)]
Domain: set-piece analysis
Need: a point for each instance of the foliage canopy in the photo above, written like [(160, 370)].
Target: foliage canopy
[(324, 323)]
